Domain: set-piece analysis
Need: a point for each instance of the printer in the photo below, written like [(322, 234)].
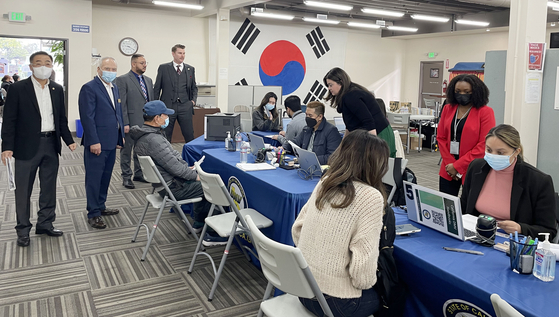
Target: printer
[(216, 125)]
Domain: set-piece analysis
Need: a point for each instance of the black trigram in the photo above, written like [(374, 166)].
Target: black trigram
[(316, 93), (318, 42), (245, 36), (242, 82)]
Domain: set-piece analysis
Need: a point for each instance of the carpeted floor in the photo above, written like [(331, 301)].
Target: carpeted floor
[(90, 272)]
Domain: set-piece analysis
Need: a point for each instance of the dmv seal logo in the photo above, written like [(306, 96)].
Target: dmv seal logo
[(461, 308), (426, 214), (237, 192)]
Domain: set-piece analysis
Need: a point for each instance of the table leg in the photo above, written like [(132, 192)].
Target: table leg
[(419, 139)]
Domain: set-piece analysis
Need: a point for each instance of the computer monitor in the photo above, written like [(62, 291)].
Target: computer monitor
[(339, 122)]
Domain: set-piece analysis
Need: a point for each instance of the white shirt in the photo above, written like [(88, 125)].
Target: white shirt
[(109, 88), (181, 66), (45, 105)]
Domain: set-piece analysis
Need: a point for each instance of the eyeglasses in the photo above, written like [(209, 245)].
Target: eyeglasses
[(309, 173)]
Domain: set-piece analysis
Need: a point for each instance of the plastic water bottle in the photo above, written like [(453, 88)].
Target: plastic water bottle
[(244, 152), (238, 140)]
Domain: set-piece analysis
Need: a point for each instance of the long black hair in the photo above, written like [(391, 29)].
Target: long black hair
[(340, 77), (480, 92), (265, 100)]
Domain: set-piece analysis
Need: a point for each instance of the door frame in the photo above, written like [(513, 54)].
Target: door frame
[(420, 93)]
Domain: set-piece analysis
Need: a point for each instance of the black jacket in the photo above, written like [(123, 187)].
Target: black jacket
[(21, 129), (532, 199), (326, 140)]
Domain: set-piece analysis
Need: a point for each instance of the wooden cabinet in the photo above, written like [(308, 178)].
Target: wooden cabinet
[(197, 122)]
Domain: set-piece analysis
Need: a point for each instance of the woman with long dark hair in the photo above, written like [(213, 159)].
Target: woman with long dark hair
[(464, 123), (503, 185), (358, 107), (338, 229), (266, 117)]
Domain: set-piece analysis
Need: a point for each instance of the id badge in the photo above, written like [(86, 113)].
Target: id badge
[(454, 147)]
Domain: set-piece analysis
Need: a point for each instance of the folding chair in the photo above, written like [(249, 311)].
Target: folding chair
[(229, 224), (152, 175), (400, 122), (285, 268), (502, 308), (391, 179)]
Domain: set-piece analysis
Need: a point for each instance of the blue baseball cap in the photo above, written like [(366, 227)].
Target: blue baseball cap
[(156, 108)]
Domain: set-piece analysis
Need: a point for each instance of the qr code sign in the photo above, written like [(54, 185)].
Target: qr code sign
[(438, 218)]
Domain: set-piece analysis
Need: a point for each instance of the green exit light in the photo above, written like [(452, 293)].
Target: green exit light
[(431, 55), (17, 16)]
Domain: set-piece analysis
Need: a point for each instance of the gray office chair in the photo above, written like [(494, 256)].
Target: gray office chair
[(152, 175), (285, 268)]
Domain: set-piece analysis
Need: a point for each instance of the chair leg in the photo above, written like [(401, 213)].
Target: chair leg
[(152, 234), (199, 244), (185, 220), (223, 259), (141, 221), (267, 294)]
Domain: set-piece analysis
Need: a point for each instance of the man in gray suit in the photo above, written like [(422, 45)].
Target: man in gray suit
[(175, 85), (135, 90)]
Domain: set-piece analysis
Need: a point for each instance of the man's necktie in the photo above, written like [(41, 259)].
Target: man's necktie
[(143, 86), (178, 69)]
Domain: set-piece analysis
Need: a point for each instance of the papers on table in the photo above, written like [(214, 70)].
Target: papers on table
[(11, 177), (269, 136), (250, 167)]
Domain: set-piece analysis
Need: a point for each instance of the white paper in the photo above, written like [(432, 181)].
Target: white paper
[(533, 87), (250, 167), (11, 177)]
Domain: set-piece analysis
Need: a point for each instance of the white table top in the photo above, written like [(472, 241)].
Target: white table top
[(421, 117)]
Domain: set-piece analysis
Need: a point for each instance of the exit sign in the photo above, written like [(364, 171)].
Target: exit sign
[(431, 55), (17, 17)]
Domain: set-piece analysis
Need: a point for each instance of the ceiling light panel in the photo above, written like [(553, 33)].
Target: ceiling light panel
[(327, 5), (383, 12)]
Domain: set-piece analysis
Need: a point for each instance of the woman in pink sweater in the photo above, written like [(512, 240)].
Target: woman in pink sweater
[(338, 230)]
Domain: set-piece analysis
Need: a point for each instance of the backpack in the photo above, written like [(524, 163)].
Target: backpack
[(391, 290), (399, 198)]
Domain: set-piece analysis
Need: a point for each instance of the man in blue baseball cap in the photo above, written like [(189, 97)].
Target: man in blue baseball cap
[(182, 180)]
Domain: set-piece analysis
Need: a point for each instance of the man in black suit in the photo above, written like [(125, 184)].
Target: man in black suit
[(175, 85), (135, 90), (34, 121)]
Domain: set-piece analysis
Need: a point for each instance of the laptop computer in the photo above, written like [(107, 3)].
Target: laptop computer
[(308, 161), (339, 123), (439, 211), (285, 122), (256, 143)]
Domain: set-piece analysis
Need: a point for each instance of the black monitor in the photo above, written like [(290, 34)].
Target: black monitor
[(216, 125), (554, 40)]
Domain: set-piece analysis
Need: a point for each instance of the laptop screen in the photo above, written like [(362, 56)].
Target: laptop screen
[(339, 122), (285, 122)]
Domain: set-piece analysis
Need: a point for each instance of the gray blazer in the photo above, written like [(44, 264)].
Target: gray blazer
[(165, 85), (132, 99)]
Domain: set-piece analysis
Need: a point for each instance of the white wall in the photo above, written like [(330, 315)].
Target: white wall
[(156, 32), (54, 19), (457, 48)]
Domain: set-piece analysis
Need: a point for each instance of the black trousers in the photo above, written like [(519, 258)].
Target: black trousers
[(126, 160), (46, 161), (449, 187), (183, 114)]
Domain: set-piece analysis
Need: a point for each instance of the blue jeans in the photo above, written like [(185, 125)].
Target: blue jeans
[(364, 306)]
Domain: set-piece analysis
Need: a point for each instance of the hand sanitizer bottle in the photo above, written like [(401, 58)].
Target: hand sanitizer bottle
[(544, 262)]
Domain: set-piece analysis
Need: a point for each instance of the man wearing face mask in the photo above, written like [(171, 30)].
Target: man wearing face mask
[(182, 180), (295, 127), (34, 121), (103, 133), (319, 136), (135, 90)]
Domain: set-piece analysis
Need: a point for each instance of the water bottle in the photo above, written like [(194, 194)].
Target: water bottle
[(229, 144), (244, 152), (238, 140)]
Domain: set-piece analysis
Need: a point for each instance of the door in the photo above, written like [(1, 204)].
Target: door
[(430, 84)]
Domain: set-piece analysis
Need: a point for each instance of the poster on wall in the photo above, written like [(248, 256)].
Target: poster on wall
[(536, 55), (294, 57)]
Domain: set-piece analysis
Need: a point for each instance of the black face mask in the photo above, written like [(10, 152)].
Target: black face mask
[(311, 122), (463, 99)]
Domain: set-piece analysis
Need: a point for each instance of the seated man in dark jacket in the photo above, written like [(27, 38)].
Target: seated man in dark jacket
[(182, 180), (319, 135)]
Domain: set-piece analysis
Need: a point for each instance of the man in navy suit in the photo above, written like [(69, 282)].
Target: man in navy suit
[(103, 133)]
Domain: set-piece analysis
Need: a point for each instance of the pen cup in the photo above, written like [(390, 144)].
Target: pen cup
[(521, 256)]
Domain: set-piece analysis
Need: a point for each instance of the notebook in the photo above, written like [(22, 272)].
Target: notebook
[(439, 211)]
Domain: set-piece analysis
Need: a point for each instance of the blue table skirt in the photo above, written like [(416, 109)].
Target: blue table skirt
[(278, 194), (435, 276)]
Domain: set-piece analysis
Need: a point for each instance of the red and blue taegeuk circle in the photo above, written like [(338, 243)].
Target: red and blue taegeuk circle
[(282, 64)]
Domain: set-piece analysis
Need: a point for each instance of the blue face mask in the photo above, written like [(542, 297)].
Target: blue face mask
[(166, 123), (270, 107), (108, 76), (497, 162)]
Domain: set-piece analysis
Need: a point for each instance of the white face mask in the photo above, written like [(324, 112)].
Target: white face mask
[(42, 72)]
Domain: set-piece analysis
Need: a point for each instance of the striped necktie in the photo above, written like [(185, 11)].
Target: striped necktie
[(178, 70), (143, 86)]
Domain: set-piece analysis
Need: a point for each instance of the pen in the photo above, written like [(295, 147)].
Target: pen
[(463, 251)]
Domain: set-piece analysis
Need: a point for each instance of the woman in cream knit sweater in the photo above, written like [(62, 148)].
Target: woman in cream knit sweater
[(338, 229)]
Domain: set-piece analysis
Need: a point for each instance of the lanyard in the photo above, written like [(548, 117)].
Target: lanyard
[(457, 123)]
